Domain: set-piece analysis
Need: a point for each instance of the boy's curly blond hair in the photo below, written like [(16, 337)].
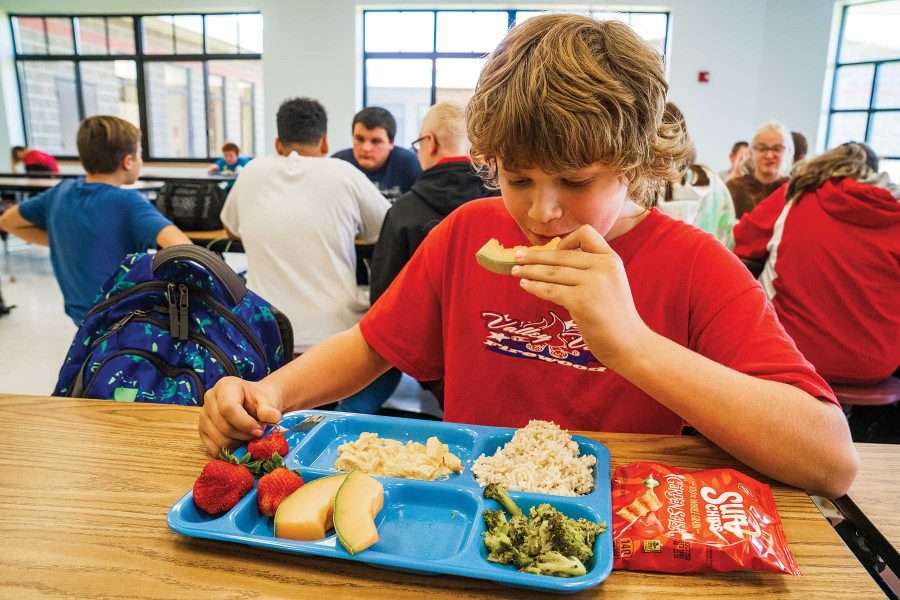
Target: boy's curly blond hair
[(561, 92)]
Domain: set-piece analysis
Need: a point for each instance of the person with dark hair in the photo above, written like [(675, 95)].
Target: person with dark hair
[(230, 162), (90, 223), (35, 161), (801, 147), (737, 159), (391, 168), (298, 214), (831, 241)]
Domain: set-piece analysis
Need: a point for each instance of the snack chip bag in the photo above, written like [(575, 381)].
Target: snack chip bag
[(675, 521)]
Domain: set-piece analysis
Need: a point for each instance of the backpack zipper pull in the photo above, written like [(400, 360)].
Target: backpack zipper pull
[(183, 313), (173, 310)]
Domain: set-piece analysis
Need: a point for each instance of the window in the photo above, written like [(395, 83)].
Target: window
[(865, 96), (216, 112), (441, 53), (191, 81)]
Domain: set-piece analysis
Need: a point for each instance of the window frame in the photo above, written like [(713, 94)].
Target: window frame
[(871, 110), (434, 54), (139, 58)]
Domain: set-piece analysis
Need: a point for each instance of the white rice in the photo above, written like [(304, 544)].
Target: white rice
[(540, 458)]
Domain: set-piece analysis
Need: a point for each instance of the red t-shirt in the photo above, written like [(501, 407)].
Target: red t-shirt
[(507, 356), (39, 161)]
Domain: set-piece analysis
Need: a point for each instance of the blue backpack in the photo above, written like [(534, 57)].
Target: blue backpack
[(168, 326)]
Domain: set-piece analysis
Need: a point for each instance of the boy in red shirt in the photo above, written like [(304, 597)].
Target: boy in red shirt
[(635, 323)]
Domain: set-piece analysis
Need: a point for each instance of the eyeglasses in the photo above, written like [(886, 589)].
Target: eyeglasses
[(762, 148), (415, 143)]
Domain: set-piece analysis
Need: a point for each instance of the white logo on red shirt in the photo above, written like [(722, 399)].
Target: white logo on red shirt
[(551, 340)]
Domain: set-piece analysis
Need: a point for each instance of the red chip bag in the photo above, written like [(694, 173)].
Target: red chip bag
[(676, 521)]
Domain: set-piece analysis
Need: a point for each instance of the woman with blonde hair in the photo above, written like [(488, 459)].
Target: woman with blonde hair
[(700, 197), (831, 241), (771, 157)]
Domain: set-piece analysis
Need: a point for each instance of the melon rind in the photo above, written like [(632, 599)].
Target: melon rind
[(357, 503), (497, 259)]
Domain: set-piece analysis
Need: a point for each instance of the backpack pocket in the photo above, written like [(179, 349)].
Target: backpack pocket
[(137, 376)]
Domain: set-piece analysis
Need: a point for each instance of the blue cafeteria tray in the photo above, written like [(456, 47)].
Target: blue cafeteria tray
[(429, 527)]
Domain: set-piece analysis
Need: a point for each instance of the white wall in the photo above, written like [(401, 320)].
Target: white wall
[(767, 59)]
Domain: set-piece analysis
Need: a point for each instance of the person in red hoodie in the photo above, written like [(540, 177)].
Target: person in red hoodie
[(35, 161), (831, 241)]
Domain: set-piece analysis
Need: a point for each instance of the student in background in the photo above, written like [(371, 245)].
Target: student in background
[(771, 157), (699, 197), (831, 240), (391, 168), (737, 158), (34, 160), (298, 214), (447, 182), (636, 322), (800, 146), (230, 161), (90, 223)]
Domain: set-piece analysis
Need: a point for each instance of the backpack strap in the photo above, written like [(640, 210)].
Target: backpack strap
[(208, 260)]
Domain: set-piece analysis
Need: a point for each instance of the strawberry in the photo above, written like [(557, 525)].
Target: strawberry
[(221, 484), (274, 487), (264, 448)]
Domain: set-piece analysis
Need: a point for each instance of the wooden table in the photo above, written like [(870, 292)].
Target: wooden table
[(40, 184), (85, 487), (873, 502)]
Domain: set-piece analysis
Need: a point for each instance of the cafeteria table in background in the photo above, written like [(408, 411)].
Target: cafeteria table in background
[(219, 241), (86, 486), (40, 184)]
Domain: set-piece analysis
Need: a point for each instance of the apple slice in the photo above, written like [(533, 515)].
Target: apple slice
[(307, 513), (358, 501), (497, 259)]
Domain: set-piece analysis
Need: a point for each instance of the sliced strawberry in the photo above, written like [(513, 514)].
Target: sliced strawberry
[(221, 484), (274, 488), (264, 448)]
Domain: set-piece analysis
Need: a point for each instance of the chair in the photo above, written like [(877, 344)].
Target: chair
[(871, 409), (884, 393)]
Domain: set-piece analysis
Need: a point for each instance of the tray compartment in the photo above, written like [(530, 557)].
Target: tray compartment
[(425, 522), (320, 448), (489, 443), (575, 507)]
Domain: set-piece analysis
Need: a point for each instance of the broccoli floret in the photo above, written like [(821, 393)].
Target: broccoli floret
[(497, 492), (566, 535), (554, 563), (495, 520), (496, 537), (528, 536)]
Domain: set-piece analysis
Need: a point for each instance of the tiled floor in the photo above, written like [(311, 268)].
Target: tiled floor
[(35, 336)]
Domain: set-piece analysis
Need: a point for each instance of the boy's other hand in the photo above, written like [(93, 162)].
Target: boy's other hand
[(587, 277), (235, 411)]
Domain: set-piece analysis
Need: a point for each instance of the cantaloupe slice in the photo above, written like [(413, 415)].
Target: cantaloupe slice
[(307, 513), (355, 507), (497, 259)]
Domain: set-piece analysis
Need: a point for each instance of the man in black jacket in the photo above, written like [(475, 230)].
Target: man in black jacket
[(447, 181)]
